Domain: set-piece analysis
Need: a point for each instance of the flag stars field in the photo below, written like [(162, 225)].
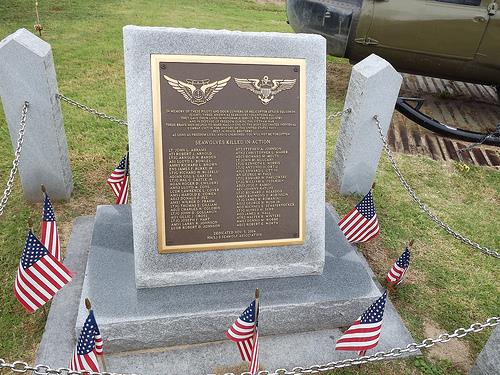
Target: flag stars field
[(364, 333), (39, 276), (88, 347), (361, 223)]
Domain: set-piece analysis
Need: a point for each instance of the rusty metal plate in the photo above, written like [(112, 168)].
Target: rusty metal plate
[(229, 151)]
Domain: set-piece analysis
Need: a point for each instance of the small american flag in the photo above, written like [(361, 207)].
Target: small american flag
[(118, 181), (244, 333), (88, 347), (50, 237), (398, 270), (364, 333), (39, 276), (361, 224), (254, 362)]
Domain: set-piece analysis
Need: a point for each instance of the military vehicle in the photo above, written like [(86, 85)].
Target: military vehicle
[(451, 39)]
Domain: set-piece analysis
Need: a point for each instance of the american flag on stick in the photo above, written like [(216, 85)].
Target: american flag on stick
[(361, 223), (39, 275), (399, 269), (364, 333), (50, 237), (88, 347), (246, 336), (118, 180)]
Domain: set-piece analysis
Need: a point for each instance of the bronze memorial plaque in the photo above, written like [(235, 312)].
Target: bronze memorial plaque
[(229, 151)]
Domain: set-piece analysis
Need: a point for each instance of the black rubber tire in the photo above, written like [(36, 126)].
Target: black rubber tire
[(420, 118)]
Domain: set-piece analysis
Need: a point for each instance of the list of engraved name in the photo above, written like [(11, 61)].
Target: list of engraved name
[(229, 154)]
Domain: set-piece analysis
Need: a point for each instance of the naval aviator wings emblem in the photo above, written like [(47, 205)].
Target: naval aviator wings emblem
[(197, 91), (264, 88)]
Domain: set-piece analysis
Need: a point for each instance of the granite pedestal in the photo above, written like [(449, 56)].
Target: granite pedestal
[(316, 304), (158, 270), (136, 319)]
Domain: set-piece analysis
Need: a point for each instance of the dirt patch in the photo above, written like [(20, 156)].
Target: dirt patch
[(455, 351), (337, 79), (381, 260)]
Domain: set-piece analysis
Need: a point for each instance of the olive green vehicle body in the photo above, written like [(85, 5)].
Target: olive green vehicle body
[(453, 39)]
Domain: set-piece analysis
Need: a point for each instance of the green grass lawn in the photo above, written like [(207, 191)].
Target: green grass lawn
[(450, 285)]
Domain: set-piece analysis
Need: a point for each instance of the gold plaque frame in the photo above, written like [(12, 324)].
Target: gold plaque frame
[(156, 59)]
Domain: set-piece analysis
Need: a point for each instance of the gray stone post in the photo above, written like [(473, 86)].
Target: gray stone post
[(488, 361), (373, 90), (27, 73)]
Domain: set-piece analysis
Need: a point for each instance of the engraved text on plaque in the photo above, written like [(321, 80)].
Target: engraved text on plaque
[(229, 150)]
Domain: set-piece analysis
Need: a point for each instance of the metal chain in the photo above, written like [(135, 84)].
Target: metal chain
[(495, 133), (23, 367), (380, 356), (15, 162), (95, 112), (423, 206), (339, 113)]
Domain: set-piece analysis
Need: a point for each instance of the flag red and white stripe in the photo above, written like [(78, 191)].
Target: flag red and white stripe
[(122, 198), (88, 347), (364, 333), (119, 181), (398, 271), (244, 333), (254, 360), (39, 275), (361, 223), (49, 234), (84, 362)]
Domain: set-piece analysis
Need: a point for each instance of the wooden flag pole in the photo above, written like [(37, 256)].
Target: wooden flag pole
[(257, 309), (43, 188), (88, 305), (390, 287), (38, 26), (44, 311), (100, 357), (257, 306), (410, 244)]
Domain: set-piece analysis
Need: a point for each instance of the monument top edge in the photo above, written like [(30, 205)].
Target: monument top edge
[(178, 30), (29, 40)]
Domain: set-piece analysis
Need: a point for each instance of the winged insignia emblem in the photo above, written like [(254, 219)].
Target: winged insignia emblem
[(197, 91), (264, 88)]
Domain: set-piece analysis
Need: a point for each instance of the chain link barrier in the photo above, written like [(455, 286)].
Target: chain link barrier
[(495, 133), (423, 206), (93, 111), (15, 162), (390, 354), (23, 367), (339, 113)]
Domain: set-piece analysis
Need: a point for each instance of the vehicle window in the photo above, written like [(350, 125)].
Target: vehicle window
[(461, 2)]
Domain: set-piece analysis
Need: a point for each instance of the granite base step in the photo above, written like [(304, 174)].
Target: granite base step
[(180, 330), (136, 319)]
